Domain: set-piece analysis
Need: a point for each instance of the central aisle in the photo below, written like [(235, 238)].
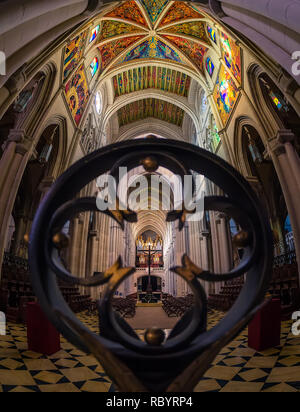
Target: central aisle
[(148, 317)]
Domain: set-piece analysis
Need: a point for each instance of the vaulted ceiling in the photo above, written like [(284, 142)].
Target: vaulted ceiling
[(159, 30), (155, 108), (151, 77), (153, 50)]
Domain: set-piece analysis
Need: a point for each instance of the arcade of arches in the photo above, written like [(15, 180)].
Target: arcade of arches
[(81, 75)]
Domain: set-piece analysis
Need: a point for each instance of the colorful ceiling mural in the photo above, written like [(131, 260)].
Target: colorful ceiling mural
[(232, 56), (194, 51), (73, 54), (151, 77), (77, 94), (158, 109), (154, 8), (152, 48), (128, 21), (156, 32), (112, 28), (225, 94), (192, 29), (111, 50), (180, 11), (129, 11)]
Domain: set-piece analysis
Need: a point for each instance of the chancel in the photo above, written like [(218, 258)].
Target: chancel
[(199, 102)]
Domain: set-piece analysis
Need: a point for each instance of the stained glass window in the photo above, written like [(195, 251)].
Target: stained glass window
[(94, 33), (210, 66), (279, 103), (212, 34), (94, 66)]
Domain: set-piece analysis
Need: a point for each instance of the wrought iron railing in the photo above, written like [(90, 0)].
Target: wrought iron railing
[(175, 363)]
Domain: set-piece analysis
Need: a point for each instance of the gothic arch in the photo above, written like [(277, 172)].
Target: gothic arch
[(240, 156)]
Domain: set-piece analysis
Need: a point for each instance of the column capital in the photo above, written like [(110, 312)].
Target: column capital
[(18, 136), (285, 136), (46, 183), (276, 146), (204, 233), (222, 216)]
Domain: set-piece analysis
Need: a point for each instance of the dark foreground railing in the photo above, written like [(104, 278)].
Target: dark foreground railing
[(156, 364)]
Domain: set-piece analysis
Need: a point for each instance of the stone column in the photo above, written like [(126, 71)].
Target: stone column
[(224, 243), (74, 249), (12, 166), (287, 166), (215, 248), (205, 264)]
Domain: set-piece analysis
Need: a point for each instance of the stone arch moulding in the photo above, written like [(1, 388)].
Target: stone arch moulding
[(265, 112), (151, 93), (61, 123), (151, 126)]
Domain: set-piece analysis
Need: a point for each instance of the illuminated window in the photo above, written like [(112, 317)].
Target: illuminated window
[(94, 33), (98, 103), (279, 103), (210, 66), (94, 66), (212, 34)]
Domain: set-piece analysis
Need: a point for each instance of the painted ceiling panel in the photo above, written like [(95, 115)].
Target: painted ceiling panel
[(180, 11), (77, 94), (128, 11), (232, 56), (225, 94), (114, 28), (110, 51), (193, 50), (152, 48), (193, 29), (73, 53), (151, 77), (154, 8), (158, 109)]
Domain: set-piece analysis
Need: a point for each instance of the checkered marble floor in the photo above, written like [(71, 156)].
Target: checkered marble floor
[(236, 369)]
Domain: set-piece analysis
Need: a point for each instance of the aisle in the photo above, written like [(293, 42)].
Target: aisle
[(147, 317)]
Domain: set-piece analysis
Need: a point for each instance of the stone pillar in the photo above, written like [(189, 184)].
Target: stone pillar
[(215, 248), (12, 166), (74, 249), (205, 264), (224, 243), (287, 166)]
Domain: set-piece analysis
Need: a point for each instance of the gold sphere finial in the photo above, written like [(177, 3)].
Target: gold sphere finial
[(242, 239), (150, 164), (26, 238), (61, 240), (155, 336)]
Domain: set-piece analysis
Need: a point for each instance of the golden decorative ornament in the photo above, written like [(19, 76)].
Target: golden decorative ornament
[(241, 239), (61, 240), (26, 238), (150, 164), (155, 336)]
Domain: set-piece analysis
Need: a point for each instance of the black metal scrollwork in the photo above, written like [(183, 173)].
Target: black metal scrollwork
[(179, 362)]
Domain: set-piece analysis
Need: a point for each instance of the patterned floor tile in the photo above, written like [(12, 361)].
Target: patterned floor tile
[(236, 369), (242, 387)]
